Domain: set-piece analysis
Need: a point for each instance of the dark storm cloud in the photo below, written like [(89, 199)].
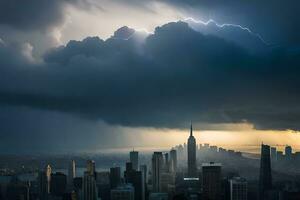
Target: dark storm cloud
[(31, 14), (276, 20), (177, 75), (36, 14)]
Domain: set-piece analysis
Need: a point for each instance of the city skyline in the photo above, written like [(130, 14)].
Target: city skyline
[(149, 100), (184, 172)]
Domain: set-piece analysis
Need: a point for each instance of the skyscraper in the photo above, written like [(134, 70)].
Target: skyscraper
[(211, 180), (89, 188), (288, 152), (143, 169), (265, 175), (238, 188), (48, 177), (42, 185), (71, 173), (166, 163), (58, 184), (91, 167), (192, 165), (173, 160), (115, 177), (157, 162), (134, 159), (273, 154), (122, 192), (135, 178)]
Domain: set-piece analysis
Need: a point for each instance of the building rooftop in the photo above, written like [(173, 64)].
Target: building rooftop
[(238, 180), (211, 164)]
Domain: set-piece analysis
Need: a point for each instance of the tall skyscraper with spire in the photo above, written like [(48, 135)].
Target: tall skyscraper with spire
[(192, 164), (134, 159), (157, 163), (71, 173), (265, 175)]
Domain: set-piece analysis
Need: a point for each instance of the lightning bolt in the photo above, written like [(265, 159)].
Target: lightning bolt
[(205, 23)]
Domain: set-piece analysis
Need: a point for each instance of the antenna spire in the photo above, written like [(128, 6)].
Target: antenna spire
[(191, 131)]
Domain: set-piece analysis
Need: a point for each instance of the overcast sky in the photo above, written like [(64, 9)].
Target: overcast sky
[(87, 74)]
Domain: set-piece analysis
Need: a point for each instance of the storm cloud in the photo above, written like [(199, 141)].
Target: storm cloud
[(277, 21), (164, 80)]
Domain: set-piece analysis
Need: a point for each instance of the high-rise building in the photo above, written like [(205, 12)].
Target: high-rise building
[(78, 183), (16, 190), (91, 167), (265, 174), (48, 177), (273, 154), (157, 162), (211, 180), (103, 186), (122, 192), (238, 188), (58, 184), (279, 156), (89, 189), (167, 181), (71, 173), (115, 177), (134, 159), (44, 181), (166, 163), (158, 196), (288, 152), (143, 169), (192, 165), (135, 178), (42, 185), (173, 160)]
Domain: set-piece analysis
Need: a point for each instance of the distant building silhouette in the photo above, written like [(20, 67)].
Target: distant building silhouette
[(143, 169), (192, 164), (157, 162), (44, 181), (103, 186), (91, 167), (135, 178), (238, 188), (58, 184), (115, 177), (42, 185), (166, 163), (48, 177), (288, 152), (17, 190), (273, 154), (265, 175), (71, 173), (211, 180), (89, 189), (158, 196), (173, 160), (134, 159), (122, 192)]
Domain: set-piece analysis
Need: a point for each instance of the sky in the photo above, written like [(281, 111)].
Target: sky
[(88, 75)]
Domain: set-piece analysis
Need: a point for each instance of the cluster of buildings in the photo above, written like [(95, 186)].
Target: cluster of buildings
[(280, 157), (161, 178)]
